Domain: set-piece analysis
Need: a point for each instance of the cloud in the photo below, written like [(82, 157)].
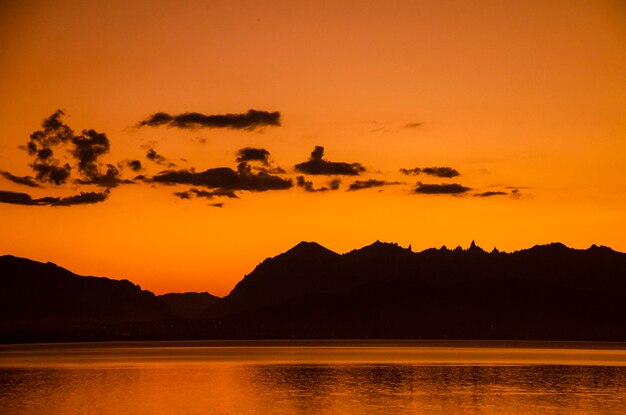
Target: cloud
[(225, 178), (157, 158), (413, 125), (17, 198), (447, 172), (79, 199), (253, 154), (24, 180), (490, 194), (47, 166), (317, 165), (367, 184), (51, 171), (88, 147), (307, 185), (55, 140), (109, 179), (206, 194), (334, 184), (190, 120), (436, 189), (135, 165)]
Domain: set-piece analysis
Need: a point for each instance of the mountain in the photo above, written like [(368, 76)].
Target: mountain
[(188, 305), (386, 291), (37, 294)]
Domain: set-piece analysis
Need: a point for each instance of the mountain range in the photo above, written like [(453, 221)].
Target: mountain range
[(547, 292)]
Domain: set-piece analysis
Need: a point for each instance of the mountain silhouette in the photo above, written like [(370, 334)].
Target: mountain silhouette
[(547, 292), (33, 293), (386, 291), (188, 305)]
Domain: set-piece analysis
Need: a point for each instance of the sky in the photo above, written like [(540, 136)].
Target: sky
[(179, 144)]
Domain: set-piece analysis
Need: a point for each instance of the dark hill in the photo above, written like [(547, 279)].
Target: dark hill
[(188, 305), (33, 293), (386, 291)]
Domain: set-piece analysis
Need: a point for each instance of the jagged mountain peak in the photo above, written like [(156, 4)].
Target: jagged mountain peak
[(380, 248)]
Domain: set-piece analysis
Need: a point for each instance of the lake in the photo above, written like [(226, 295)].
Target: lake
[(319, 377)]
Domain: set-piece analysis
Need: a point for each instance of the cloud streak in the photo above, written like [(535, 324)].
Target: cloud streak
[(439, 189), (368, 184), (23, 180), (191, 120), (82, 198), (191, 193), (445, 172), (491, 194), (226, 179)]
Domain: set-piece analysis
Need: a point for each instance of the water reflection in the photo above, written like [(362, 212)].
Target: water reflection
[(212, 386), (448, 389)]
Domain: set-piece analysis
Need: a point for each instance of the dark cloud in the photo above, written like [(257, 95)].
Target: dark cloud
[(153, 156), (88, 147), (269, 170), (17, 198), (436, 189), (111, 178), (367, 184), (253, 154), (79, 199), (225, 179), (308, 186), (413, 125), (51, 171), (411, 172), (51, 145), (183, 195), (47, 165), (206, 194), (217, 205), (216, 177), (440, 171), (135, 165), (248, 121), (317, 165), (432, 171), (489, 194), (24, 180)]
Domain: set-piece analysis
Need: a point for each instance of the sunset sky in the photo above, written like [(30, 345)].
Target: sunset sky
[(524, 102)]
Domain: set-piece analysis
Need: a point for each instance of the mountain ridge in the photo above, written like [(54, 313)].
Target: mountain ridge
[(382, 290)]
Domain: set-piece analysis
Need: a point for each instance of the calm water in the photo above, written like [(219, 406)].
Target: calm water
[(319, 378)]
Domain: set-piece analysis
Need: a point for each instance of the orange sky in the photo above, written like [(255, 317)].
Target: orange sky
[(514, 95)]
